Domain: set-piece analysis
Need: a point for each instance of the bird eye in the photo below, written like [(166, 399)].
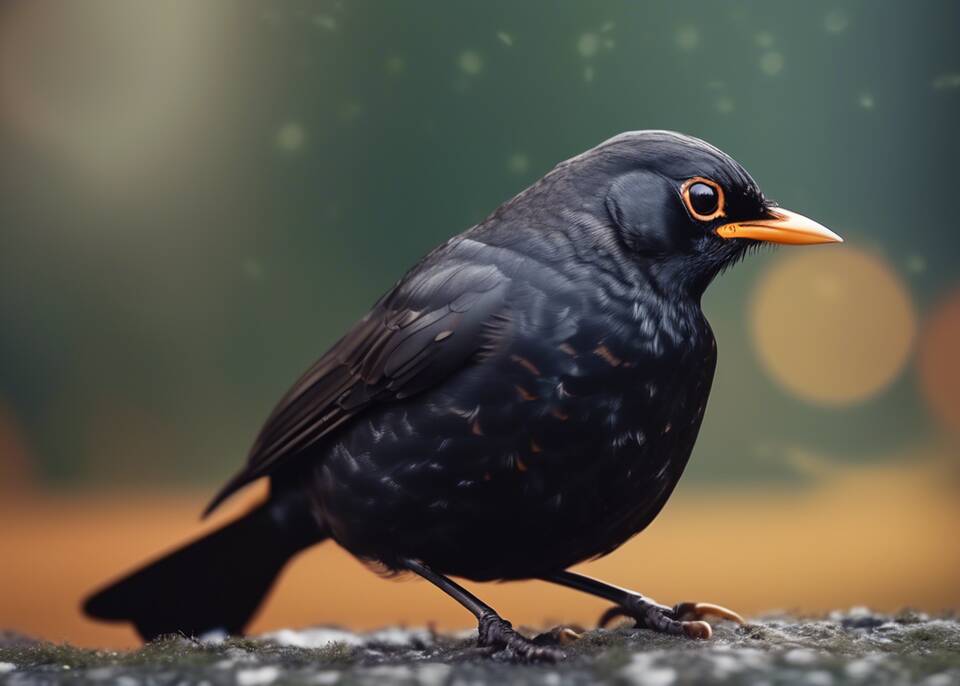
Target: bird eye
[(703, 198)]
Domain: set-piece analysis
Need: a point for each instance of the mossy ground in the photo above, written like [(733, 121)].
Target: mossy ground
[(859, 647)]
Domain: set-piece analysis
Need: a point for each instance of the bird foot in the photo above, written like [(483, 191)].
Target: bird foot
[(497, 633), (683, 619)]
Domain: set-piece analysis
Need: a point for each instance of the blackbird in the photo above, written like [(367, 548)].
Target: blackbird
[(525, 398)]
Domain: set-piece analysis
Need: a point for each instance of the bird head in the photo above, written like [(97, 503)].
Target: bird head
[(681, 207)]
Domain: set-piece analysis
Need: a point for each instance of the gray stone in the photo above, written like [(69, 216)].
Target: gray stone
[(855, 647)]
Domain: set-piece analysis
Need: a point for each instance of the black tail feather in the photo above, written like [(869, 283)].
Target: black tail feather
[(214, 583)]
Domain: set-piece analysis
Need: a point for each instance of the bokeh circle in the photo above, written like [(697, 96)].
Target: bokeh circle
[(833, 326), (939, 361)]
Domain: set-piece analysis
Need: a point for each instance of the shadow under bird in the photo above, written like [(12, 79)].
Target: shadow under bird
[(525, 398)]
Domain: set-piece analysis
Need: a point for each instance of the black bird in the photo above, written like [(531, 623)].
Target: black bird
[(525, 398)]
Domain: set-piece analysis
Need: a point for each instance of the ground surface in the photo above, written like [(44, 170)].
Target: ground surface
[(855, 647)]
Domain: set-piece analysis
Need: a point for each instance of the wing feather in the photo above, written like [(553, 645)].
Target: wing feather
[(430, 325)]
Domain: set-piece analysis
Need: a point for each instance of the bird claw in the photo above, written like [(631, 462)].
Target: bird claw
[(694, 611), (497, 633), (686, 619)]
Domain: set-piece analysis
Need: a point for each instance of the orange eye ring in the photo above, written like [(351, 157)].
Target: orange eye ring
[(721, 199)]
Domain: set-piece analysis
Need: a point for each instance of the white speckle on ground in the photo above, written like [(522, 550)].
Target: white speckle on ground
[(819, 678), (259, 676), (314, 638), (433, 673), (7, 667), (800, 656)]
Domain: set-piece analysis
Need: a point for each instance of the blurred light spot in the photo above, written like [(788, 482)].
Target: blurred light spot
[(518, 163), (833, 326), (939, 361), (15, 468), (866, 101), (607, 26), (916, 264), (609, 43), (946, 81), (771, 63), (505, 38), (836, 21), (395, 65), (588, 74), (764, 39), (470, 62), (291, 137), (724, 104), (325, 21), (110, 89), (271, 16), (350, 111), (687, 37), (588, 44), (252, 269)]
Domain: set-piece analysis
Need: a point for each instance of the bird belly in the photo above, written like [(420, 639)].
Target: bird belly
[(510, 474)]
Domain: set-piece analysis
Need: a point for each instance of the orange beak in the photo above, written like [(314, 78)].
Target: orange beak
[(782, 226)]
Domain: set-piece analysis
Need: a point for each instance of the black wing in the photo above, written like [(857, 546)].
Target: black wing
[(422, 331)]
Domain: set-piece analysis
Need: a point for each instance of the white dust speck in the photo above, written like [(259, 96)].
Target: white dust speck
[(470, 62), (687, 37), (588, 44), (836, 21), (261, 676), (764, 39), (725, 104), (290, 137), (325, 21), (946, 81), (394, 65), (505, 38), (771, 63), (253, 270), (350, 111), (518, 163)]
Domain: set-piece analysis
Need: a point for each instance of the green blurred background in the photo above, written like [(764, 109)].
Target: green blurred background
[(197, 198)]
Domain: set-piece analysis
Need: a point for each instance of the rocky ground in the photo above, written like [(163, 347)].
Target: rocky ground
[(856, 647)]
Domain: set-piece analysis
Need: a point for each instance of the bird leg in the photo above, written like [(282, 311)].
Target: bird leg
[(493, 630), (683, 619)]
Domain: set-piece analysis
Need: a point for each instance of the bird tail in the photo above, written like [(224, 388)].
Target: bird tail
[(216, 582)]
